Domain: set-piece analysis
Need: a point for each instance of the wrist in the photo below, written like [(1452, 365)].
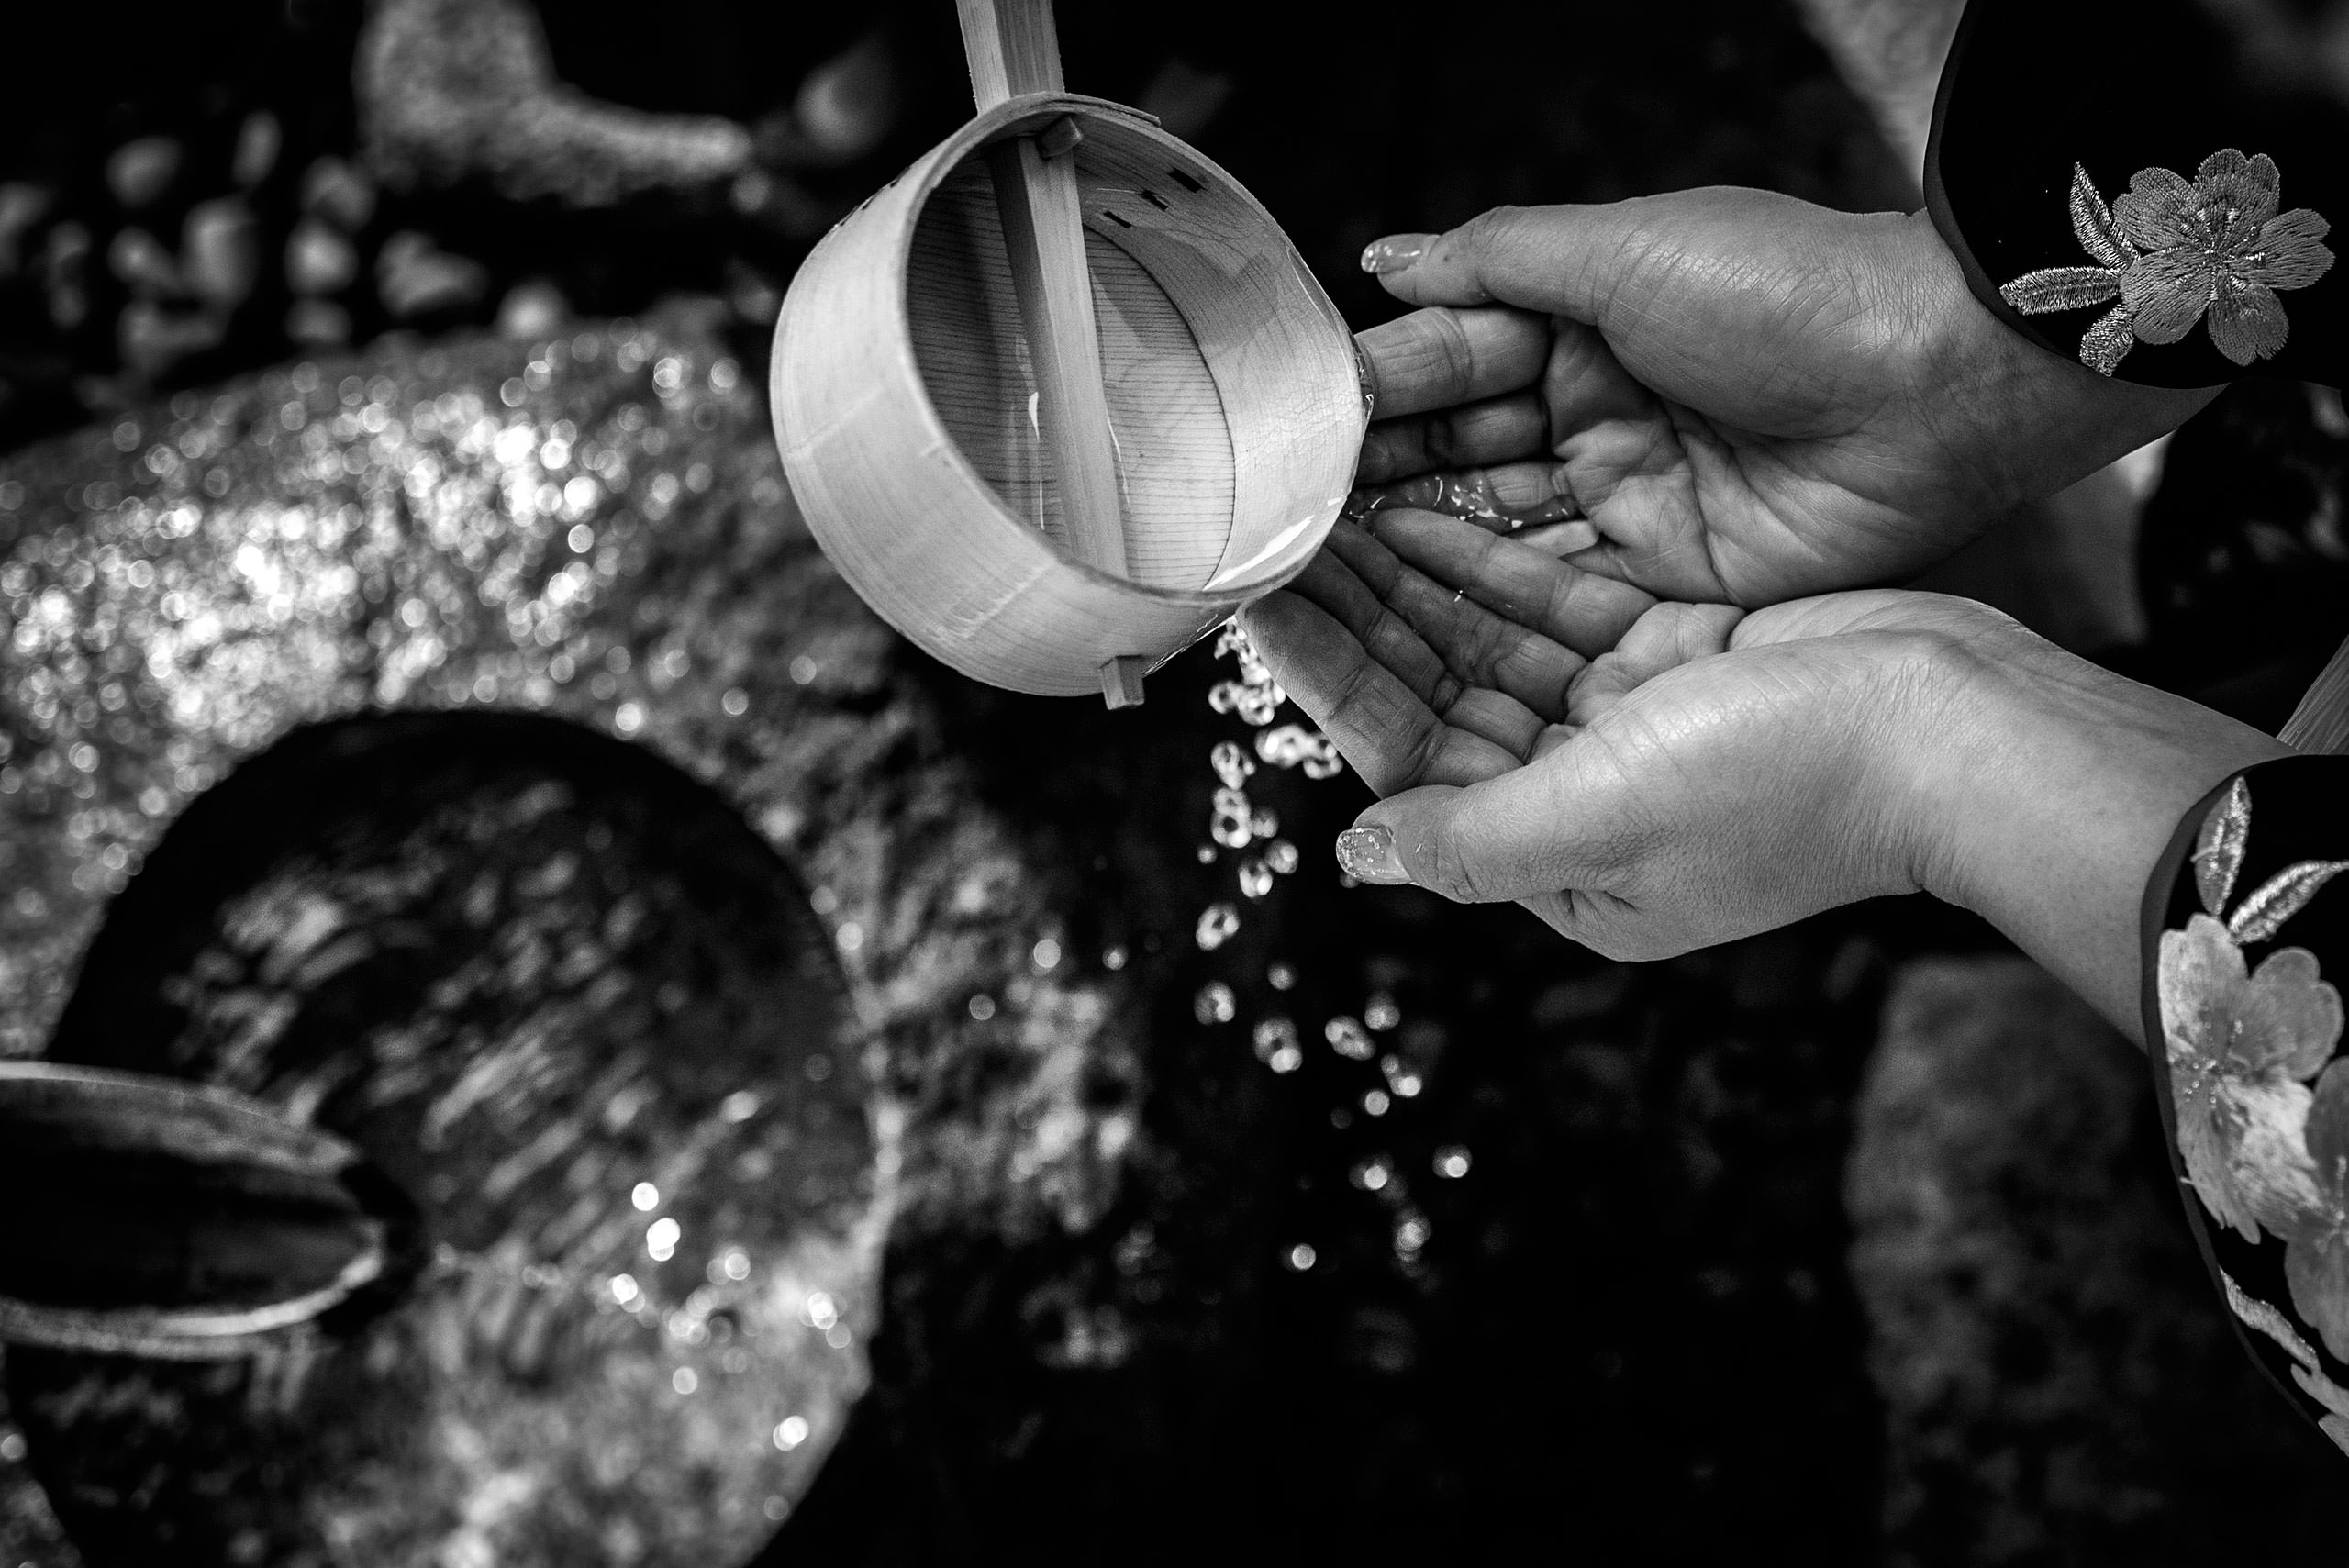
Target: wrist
[(2051, 791), (2037, 421)]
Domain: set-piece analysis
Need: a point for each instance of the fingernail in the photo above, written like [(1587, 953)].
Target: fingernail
[(1393, 253), (1368, 854)]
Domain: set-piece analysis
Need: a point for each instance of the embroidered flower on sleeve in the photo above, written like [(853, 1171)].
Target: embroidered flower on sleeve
[(2242, 1043), (2316, 1255), (2175, 252)]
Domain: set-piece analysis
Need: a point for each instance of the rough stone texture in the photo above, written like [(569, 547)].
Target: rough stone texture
[(451, 91), (592, 529), (531, 972), (2059, 1382)]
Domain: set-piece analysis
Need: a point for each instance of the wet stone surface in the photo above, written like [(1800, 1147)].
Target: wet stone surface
[(593, 529), (569, 1003)]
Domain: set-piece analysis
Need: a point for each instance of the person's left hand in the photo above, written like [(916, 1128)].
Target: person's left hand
[(1652, 776)]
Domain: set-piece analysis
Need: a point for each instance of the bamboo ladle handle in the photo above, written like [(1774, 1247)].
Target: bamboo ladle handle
[(1013, 51)]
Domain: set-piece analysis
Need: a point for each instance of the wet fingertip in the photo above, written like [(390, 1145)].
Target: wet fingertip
[(1396, 253), (1368, 854)]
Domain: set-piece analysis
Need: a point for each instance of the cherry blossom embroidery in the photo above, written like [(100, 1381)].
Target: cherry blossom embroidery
[(2242, 1043), (2242, 1047), (2316, 1255), (2173, 253)]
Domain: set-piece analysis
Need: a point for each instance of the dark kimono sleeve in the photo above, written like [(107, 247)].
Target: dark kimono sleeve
[(2246, 930), (2130, 185)]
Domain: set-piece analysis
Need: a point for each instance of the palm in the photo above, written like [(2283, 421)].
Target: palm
[(1748, 397)]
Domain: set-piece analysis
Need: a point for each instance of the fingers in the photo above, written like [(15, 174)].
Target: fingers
[(1665, 638), (1504, 499), (1388, 735), (1496, 430), (1575, 609), (1475, 648), (1562, 261), (1437, 359)]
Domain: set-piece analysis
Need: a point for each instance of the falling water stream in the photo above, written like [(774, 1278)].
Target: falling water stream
[(1249, 833)]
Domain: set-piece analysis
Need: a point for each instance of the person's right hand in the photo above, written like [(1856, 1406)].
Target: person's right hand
[(1748, 397)]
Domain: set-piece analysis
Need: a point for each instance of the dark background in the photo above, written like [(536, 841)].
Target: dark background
[(1632, 1336)]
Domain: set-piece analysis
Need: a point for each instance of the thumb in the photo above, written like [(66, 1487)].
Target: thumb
[(1528, 832), (1562, 261), (1603, 265)]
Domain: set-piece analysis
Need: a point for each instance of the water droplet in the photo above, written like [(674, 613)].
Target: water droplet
[(624, 1289), (1404, 1080), (1274, 1034), (684, 1380), (790, 1433), (1256, 878), (1452, 1162), (1214, 1003), (1281, 856), (1411, 1232), (1381, 1013), (1371, 1175), (1280, 976), (1233, 823), (981, 1007), (1294, 746), (1217, 923), (1231, 764), (1375, 1101), (1301, 1257), (1046, 954), (1206, 854), (1255, 696), (1347, 1037), (1113, 959), (646, 1196)]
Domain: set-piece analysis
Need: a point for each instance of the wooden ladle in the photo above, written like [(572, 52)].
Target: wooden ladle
[(1061, 396)]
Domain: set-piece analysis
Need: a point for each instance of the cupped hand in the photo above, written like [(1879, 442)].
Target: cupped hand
[(1653, 775), (1745, 397), (1548, 735)]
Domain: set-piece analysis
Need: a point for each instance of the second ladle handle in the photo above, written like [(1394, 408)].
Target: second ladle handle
[(1014, 51)]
